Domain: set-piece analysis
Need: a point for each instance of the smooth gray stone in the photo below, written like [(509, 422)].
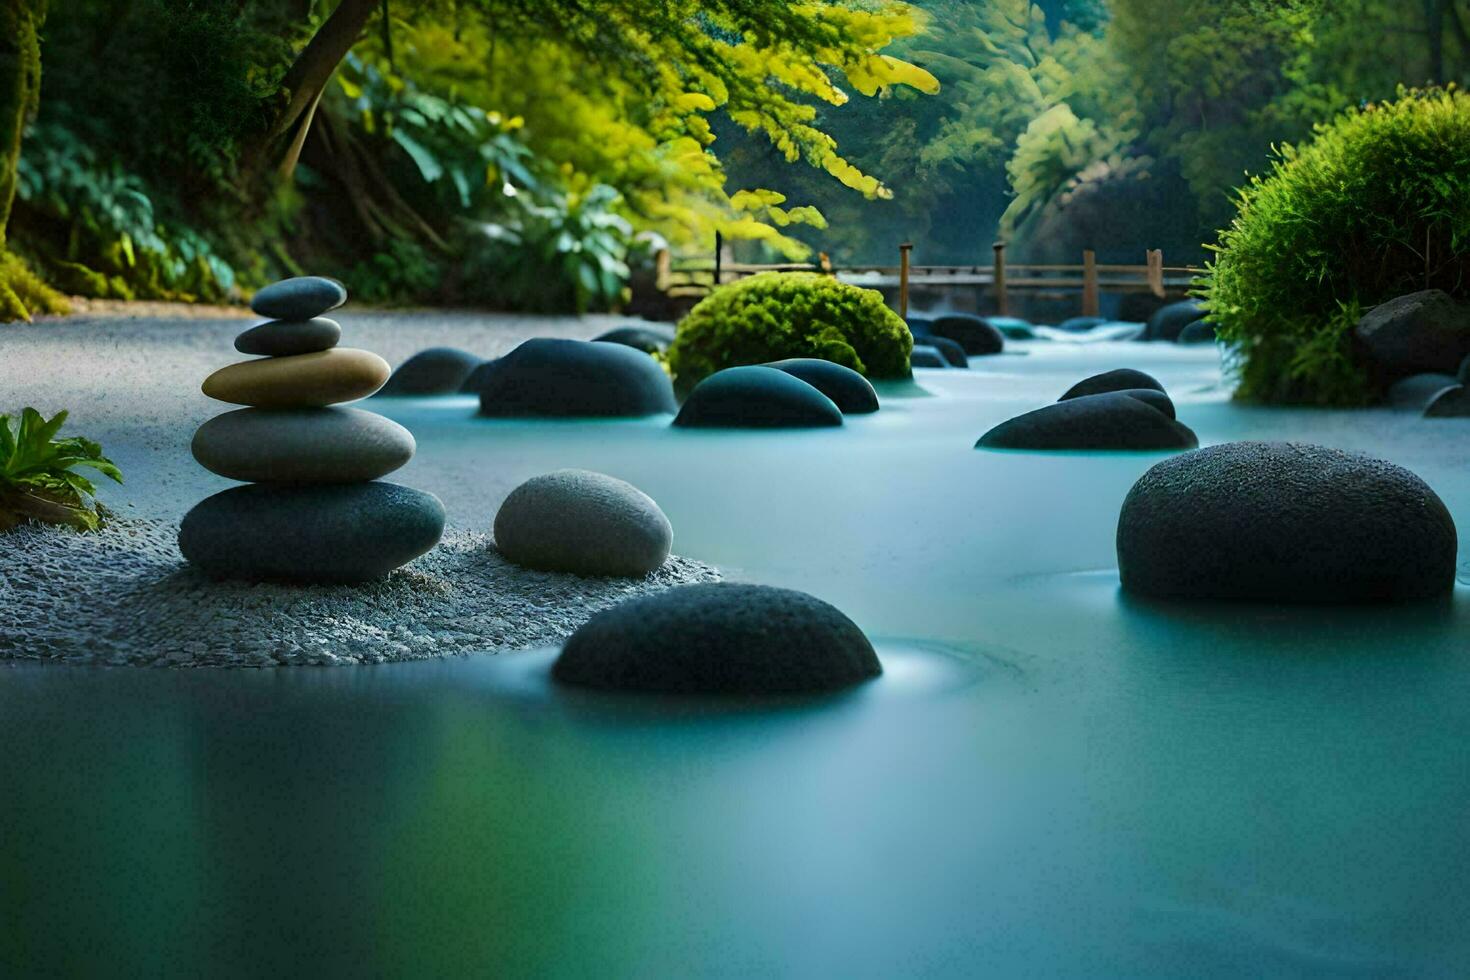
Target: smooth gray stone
[(648, 339), (926, 356), (284, 338), (585, 523), (1081, 324), (574, 378), (305, 445), (973, 333), (849, 391), (1284, 522), (1113, 420), (1413, 393), (436, 371), (1198, 332), (1451, 403), (1427, 331), (1169, 321), (352, 532), (722, 639), (1012, 328), (756, 397), (953, 354), (1119, 379), (299, 298)]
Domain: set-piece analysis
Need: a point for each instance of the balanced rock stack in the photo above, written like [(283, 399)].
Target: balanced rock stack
[(315, 510)]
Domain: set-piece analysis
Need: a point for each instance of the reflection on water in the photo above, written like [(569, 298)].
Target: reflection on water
[(1049, 777)]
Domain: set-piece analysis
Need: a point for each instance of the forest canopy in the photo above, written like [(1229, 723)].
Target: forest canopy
[(529, 153)]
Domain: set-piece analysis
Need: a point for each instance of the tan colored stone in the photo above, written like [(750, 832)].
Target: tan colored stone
[(327, 377)]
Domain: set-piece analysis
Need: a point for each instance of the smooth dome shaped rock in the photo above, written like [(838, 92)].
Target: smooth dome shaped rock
[(310, 445), (328, 533), (1427, 331), (973, 333), (585, 523), (282, 338), (1081, 324), (852, 393), (1284, 522), (1114, 420), (299, 298), (342, 374), (1451, 403), (647, 339), (1168, 321), (1198, 332), (436, 371), (952, 352), (719, 639), (574, 378), (476, 379), (927, 356), (1119, 379), (1413, 393), (756, 397), (1012, 327)]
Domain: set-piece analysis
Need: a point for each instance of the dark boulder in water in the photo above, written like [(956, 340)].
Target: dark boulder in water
[(1080, 324), (952, 352), (756, 397), (1424, 331), (576, 378), (1169, 321), (647, 339), (1450, 403), (1413, 393), (1198, 332), (436, 371), (927, 356), (1284, 522), (1120, 379), (1114, 420), (721, 638), (849, 391), (973, 333)]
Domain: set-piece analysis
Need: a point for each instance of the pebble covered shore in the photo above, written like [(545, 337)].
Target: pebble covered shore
[(125, 596)]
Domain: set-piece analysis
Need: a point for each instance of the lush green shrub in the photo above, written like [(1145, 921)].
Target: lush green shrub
[(1376, 206), (776, 315), (38, 474)]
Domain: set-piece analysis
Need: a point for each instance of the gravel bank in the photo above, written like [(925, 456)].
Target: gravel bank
[(125, 596)]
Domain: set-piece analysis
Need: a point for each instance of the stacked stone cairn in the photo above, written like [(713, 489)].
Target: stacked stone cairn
[(314, 509)]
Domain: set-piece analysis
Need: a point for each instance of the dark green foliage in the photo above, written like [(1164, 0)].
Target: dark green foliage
[(1376, 206), (774, 316), (38, 478)]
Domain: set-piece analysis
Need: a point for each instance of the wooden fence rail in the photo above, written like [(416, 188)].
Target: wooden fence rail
[(1090, 279)]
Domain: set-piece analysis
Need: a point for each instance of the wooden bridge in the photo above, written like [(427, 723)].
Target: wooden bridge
[(999, 279)]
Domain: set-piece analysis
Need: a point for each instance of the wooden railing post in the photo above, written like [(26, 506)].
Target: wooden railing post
[(663, 265), (1156, 272), (719, 248), (1089, 283), (998, 283), (903, 278)]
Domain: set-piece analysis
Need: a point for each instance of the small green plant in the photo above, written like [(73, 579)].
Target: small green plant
[(38, 480), (1375, 206), (777, 315)]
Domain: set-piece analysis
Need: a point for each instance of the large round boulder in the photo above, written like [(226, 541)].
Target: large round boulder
[(1169, 321), (849, 391), (582, 522), (1119, 379), (352, 532), (436, 371), (720, 638), (1116, 420), (551, 377), (308, 445), (1284, 522), (299, 298), (282, 338), (756, 397), (1427, 331), (973, 333)]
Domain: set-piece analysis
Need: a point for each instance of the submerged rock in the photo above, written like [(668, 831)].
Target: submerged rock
[(550, 377), (1012, 328), (1284, 522), (926, 356), (282, 338), (300, 298), (585, 523), (971, 332), (435, 371), (1411, 394), (952, 352), (1198, 332), (756, 397), (1119, 420), (1079, 324), (1450, 403), (1424, 331), (1119, 379), (852, 393), (719, 639), (351, 532), (327, 377), (308, 445)]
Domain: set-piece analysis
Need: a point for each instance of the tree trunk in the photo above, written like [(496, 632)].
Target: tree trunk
[(20, 88)]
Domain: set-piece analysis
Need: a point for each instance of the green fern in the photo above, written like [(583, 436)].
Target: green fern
[(38, 478)]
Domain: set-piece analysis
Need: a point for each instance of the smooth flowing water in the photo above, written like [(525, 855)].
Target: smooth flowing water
[(1050, 777)]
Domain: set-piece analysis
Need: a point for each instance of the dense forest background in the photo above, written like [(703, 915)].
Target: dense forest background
[(525, 154)]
